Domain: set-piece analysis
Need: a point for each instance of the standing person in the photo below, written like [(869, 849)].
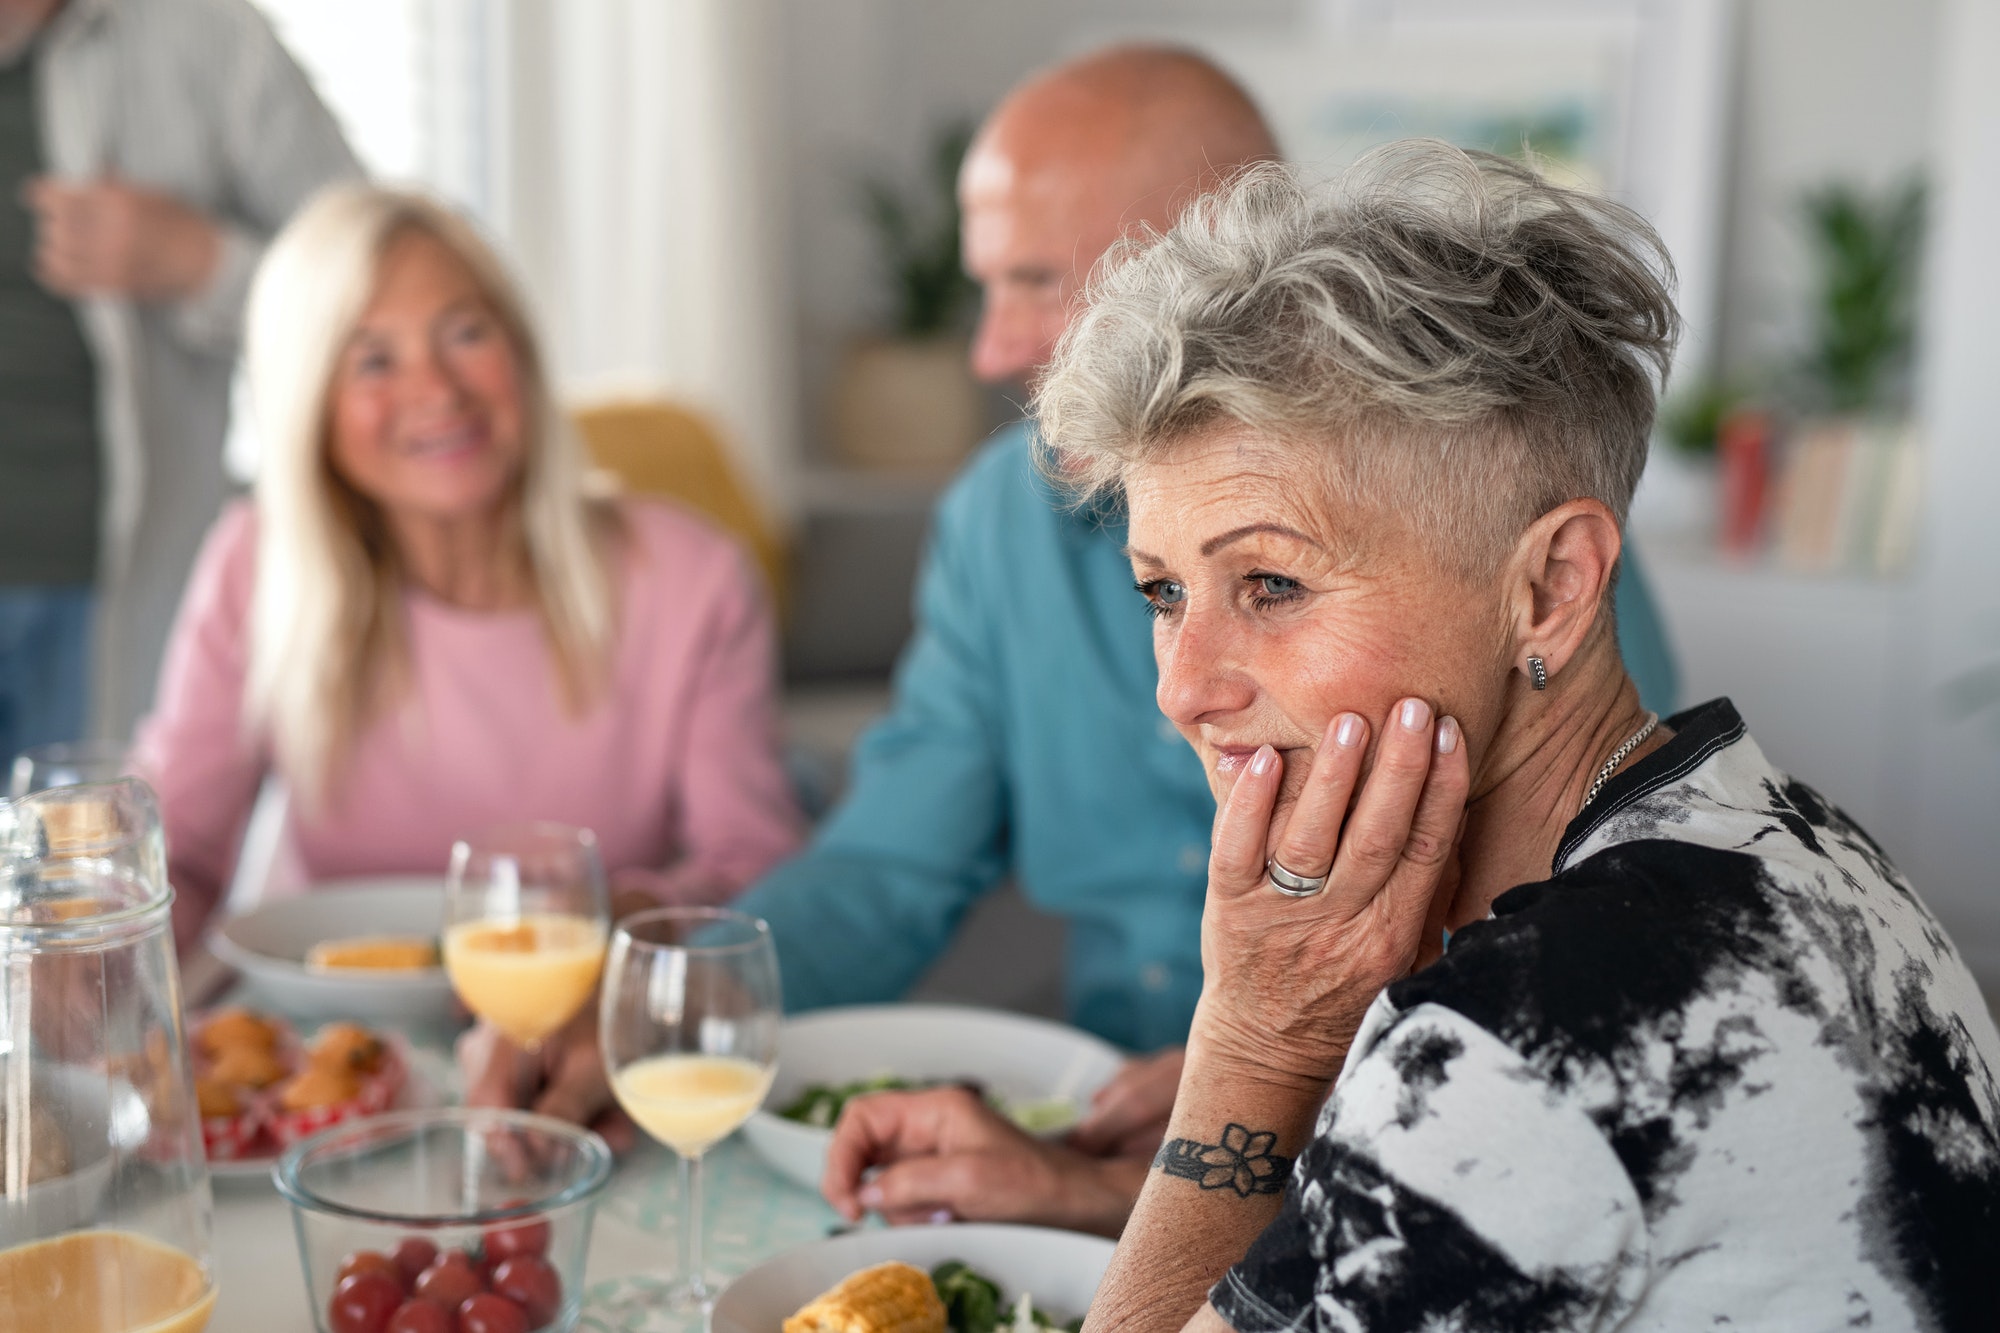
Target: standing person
[(1024, 739), (148, 149)]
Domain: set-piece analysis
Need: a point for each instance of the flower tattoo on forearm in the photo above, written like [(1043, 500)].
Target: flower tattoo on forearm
[(1243, 1162)]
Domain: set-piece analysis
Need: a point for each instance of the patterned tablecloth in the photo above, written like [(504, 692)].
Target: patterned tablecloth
[(752, 1214)]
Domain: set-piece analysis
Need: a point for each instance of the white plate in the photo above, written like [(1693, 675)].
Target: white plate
[(1015, 1057), (268, 945), (1061, 1269)]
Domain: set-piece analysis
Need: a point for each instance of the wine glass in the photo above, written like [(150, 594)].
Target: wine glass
[(66, 764), (526, 911), (689, 1024)]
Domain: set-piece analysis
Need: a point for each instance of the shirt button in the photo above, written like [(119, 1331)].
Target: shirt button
[(1168, 732), (1155, 976), (1193, 859)]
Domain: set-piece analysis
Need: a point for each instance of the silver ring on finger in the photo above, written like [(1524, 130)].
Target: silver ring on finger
[(1294, 885)]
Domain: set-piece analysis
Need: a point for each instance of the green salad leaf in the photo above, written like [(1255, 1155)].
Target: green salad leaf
[(971, 1302)]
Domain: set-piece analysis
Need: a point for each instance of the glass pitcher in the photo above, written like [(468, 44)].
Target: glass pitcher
[(104, 1201)]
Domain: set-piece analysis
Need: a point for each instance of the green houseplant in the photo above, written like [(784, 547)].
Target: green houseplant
[(905, 398), (1867, 250)]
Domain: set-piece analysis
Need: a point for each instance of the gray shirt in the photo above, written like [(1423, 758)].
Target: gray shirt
[(50, 468), (196, 99)]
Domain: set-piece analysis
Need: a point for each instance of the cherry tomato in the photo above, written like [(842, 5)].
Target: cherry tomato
[(504, 1242), (369, 1261), (488, 1313), (363, 1303), (413, 1255), (530, 1283), (418, 1315), (451, 1281)]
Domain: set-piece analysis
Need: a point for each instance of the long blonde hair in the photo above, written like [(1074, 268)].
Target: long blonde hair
[(327, 642)]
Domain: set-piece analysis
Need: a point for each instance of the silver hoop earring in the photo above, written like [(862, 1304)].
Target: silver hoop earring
[(1538, 673)]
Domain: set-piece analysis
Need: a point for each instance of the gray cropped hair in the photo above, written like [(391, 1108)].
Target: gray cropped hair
[(1459, 341)]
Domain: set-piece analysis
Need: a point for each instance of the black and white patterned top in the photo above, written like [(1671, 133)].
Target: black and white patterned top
[(1722, 1070)]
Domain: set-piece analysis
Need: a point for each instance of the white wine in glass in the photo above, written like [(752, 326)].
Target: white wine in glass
[(689, 1023), (526, 912)]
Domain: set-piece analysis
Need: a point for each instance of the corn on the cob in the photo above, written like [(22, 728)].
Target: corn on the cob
[(888, 1298)]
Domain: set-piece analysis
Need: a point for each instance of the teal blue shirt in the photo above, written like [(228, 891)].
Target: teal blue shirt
[(1024, 740)]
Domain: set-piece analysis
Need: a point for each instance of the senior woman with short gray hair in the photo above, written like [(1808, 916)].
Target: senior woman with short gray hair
[(1523, 1009)]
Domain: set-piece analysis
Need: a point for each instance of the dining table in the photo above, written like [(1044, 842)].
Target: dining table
[(752, 1214)]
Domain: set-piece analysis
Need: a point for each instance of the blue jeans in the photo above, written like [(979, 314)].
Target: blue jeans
[(44, 665)]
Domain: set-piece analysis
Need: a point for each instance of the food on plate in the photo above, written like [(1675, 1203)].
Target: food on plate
[(246, 1066), (48, 1145), (468, 1290), (217, 1099), (317, 1087), (227, 1028), (373, 953), (973, 1304), (56, 1286), (820, 1104), (896, 1298), (888, 1298), (347, 1046), (259, 1090)]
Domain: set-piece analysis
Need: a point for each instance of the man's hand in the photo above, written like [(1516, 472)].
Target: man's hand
[(107, 238), (943, 1153), (1128, 1115), (564, 1079)]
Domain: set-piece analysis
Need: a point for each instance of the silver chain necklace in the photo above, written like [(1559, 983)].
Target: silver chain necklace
[(1632, 743)]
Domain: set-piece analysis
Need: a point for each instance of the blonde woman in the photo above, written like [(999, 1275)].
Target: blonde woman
[(424, 624)]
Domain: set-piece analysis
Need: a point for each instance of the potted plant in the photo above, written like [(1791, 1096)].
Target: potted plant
[(1848, 495), (905, 398)]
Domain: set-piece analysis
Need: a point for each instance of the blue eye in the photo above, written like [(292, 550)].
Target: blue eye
[(1162, 595), (1273, 590)]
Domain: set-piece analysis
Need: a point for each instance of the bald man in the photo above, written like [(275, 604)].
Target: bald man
[(1023, 739)]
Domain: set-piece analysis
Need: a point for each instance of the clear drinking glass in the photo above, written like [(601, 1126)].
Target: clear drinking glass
[(689, 1024), (525, 915), (67, 763), (104, 1196)]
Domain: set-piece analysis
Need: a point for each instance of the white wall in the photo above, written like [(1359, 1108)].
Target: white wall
[(1826, 90), (870, 81), (1951, 764)]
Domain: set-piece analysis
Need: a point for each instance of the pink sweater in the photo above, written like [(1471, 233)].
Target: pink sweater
[(677, 765)]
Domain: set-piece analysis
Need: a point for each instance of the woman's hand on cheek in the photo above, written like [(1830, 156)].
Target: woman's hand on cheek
[(1286, 980)]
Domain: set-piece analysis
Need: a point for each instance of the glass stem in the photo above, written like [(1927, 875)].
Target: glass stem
[(691, 1225)]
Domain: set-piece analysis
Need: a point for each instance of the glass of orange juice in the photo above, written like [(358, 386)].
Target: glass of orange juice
[(526, 912), (689, 1021)]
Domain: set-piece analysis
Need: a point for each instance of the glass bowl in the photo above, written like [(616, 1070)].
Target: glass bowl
[(397, 1196)]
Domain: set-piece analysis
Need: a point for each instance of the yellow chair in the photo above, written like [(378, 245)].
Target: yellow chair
[(660, 448)]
